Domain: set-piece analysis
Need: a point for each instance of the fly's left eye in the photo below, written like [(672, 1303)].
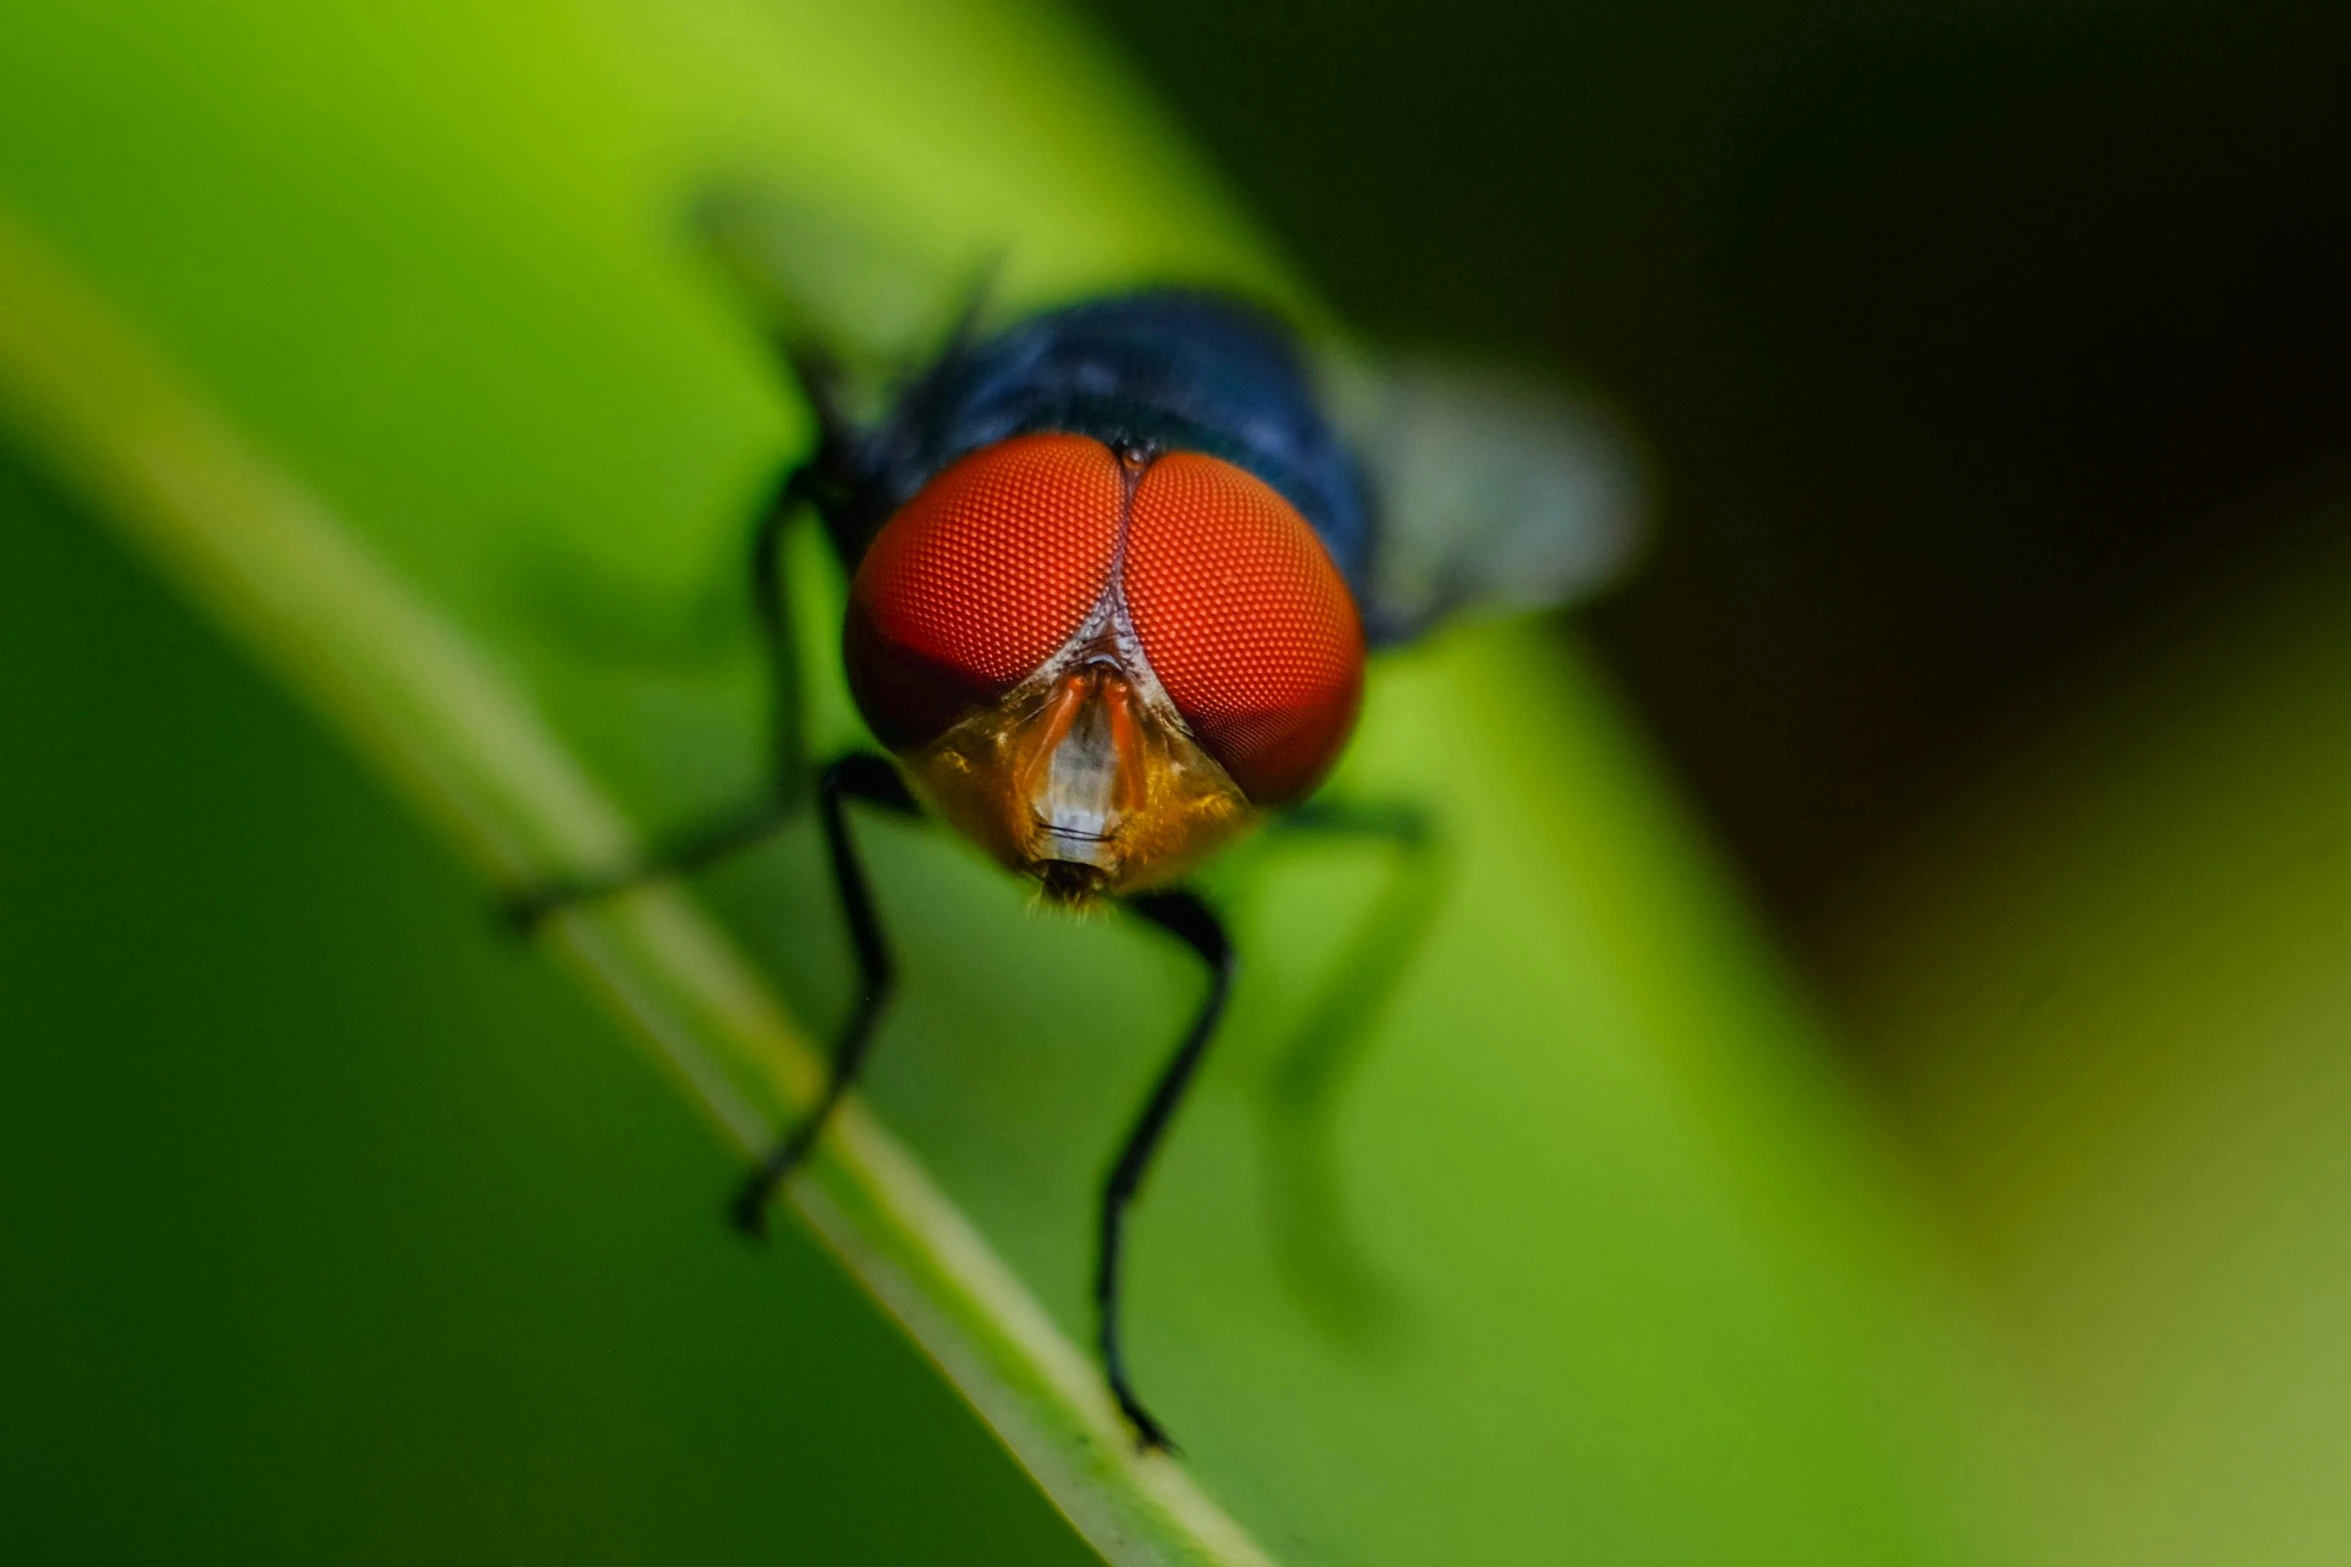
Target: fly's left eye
[(1246, 621), (978, 579)]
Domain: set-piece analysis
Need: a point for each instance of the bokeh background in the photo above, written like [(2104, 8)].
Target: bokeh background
[(1994, 363), (1997, 363), (1966, 337)]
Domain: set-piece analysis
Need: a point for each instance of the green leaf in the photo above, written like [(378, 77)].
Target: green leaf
[(383, 338)]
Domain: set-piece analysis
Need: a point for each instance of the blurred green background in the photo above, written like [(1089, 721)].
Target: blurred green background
[(338, 1227), (1996, 367)]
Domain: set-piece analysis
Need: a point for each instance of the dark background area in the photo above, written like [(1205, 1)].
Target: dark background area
[(1960, 333)]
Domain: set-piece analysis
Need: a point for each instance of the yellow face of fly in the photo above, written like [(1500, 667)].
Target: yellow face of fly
[(1077, 779)]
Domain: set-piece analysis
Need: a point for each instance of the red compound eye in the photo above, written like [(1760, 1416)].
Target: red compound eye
[(978, 580), (1246, 622)]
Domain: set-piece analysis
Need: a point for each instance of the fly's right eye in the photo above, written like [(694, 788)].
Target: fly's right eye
[(1246, 621), (978, 580)]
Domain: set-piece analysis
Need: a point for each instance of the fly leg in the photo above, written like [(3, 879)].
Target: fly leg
[(862, 777), (1190, 921), (865, 777), (708, 842), (1324, 1264)]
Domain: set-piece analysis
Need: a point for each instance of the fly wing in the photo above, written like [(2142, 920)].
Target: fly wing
[(836, 292), (1491, 493)]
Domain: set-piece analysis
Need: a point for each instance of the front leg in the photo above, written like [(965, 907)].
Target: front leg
[(721, 837), (1190, 921), (865, 777)]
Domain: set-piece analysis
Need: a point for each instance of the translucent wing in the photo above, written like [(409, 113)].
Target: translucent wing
[(1490, 493), (839, 293)]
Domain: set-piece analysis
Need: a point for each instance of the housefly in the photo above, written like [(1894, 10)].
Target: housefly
[(1114, 572)]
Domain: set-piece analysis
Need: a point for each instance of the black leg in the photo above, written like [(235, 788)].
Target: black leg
[(875, 781), (702, 845), (706, 843), (1184, 916), (1322, 1261)]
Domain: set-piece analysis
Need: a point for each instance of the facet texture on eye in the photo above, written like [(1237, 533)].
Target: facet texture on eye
[(1247, 623), (979, 579)]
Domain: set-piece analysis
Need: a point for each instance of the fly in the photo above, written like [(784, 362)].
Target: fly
[(1114, 573)]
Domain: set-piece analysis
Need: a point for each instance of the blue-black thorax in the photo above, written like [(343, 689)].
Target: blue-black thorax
[(1181, 370)]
